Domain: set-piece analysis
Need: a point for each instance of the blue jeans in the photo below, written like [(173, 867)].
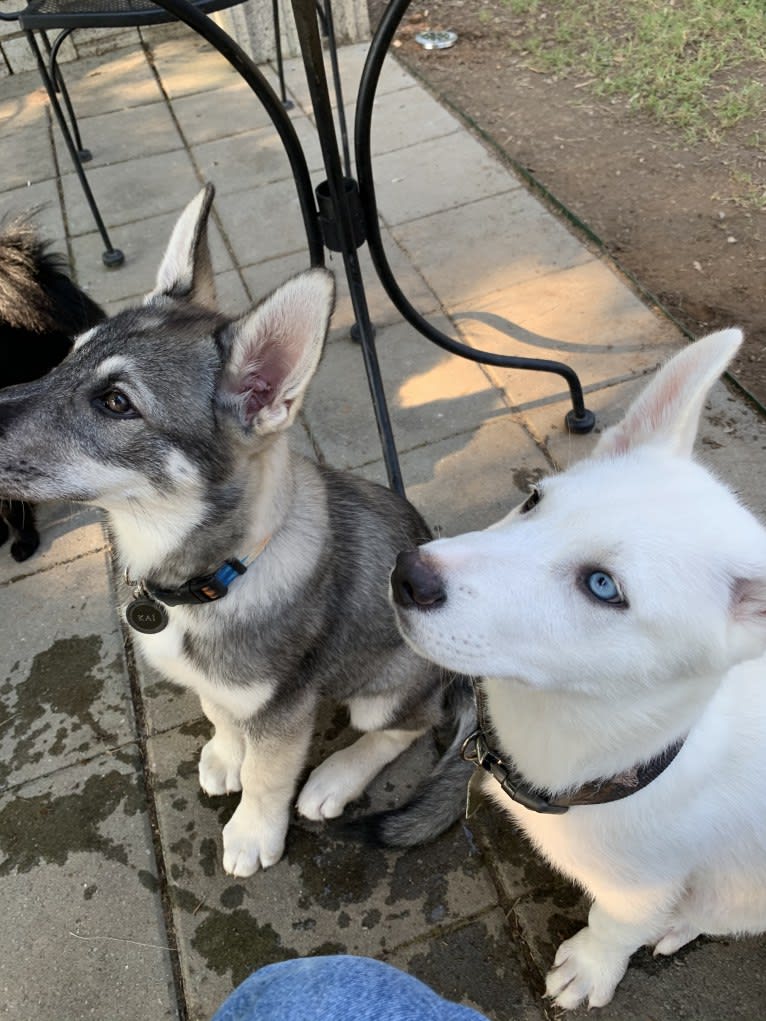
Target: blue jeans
[(337, 989)]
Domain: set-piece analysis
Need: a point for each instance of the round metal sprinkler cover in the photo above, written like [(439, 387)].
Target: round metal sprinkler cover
[(436, 40)]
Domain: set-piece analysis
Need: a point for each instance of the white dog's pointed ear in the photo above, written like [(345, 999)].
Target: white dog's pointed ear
[(274, 350), (668, 410), (186, 271)]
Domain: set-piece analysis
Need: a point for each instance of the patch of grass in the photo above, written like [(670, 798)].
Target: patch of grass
[(748, 192), (521, 6), (670, 58), (747, 101)]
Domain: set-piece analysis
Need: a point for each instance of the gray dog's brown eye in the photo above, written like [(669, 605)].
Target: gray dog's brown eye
[(532, 500), (114, 402)]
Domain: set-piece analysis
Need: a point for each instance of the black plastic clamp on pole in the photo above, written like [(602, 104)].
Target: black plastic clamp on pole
[(329, 220)]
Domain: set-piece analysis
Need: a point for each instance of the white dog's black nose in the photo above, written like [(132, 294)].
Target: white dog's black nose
[(415, 581)]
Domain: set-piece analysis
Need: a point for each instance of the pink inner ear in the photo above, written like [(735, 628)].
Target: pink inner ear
[(260, 392), (263, 377), (748, 599), (648, 416)]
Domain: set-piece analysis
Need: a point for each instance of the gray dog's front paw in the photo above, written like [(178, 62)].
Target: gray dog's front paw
[(219, 767), (250, 842)]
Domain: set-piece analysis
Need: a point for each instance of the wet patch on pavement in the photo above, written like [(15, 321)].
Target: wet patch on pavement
[(65, 696)]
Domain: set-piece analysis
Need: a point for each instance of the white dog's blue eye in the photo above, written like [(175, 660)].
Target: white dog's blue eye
[(604, 587)]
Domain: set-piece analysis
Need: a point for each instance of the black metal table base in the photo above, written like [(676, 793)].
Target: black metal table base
[(343, 214)]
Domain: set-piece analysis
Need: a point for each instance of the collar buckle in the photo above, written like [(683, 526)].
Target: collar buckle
[(476, 750), (206, 589)]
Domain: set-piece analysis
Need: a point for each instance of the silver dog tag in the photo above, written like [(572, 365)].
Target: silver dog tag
[(147, 616)]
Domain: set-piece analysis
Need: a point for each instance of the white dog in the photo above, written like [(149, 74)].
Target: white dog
[(619, 616)]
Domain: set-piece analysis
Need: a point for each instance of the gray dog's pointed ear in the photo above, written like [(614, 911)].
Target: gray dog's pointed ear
[(667, 412), (274, 350), (186, 272)]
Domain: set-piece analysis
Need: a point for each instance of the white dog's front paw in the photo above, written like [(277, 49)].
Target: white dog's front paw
[(585, 969), (220, 764), (250, 843), (675, 938), (327, 791)]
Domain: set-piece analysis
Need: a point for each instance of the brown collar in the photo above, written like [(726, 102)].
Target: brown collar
[(596, 792)]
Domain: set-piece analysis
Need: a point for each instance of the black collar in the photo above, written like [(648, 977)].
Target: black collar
[(146, 611), (205, 589), (476, 749)]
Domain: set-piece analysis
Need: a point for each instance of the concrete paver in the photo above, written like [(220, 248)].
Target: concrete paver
[(135, 189), (29, 156), (583, 315), (405, 117), (97, 86), (472, 479), (23, 111), (109, 852), (42, 200), (473, 966), (254, 158), (382, 312), (366, 901), (350, 61), (187, 65), (431, 395), (458, 170), (83, 933), (67, 533), (199, 117), (489, 245), (65, 696), (121, 135), (264, 223), (136, 276)]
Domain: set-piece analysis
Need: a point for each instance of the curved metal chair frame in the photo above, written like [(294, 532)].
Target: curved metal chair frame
[(66, 16), (342, 215), (346, 214)]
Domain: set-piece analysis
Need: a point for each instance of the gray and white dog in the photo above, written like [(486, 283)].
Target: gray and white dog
[(260, 579)]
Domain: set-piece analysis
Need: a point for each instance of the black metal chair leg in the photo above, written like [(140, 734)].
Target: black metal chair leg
[(328, 26), (286, 103), (112, 256), (58, 79)]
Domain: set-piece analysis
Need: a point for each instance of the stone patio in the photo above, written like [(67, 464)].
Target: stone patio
[(116, 903)]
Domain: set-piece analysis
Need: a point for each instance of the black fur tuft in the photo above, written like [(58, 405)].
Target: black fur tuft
[(41, 309), (41, 312)]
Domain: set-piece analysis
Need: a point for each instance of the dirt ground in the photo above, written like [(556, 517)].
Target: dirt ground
[(687, 220)]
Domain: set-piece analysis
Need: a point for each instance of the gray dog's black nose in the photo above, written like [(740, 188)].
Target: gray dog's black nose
[(415, 582)]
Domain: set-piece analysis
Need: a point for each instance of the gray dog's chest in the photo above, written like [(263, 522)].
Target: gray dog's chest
[(166, 653)]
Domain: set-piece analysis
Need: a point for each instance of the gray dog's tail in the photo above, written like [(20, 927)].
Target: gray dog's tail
[(440, 799)]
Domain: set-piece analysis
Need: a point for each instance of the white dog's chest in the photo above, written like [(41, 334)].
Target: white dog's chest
[(593, 849), (164, 651)]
